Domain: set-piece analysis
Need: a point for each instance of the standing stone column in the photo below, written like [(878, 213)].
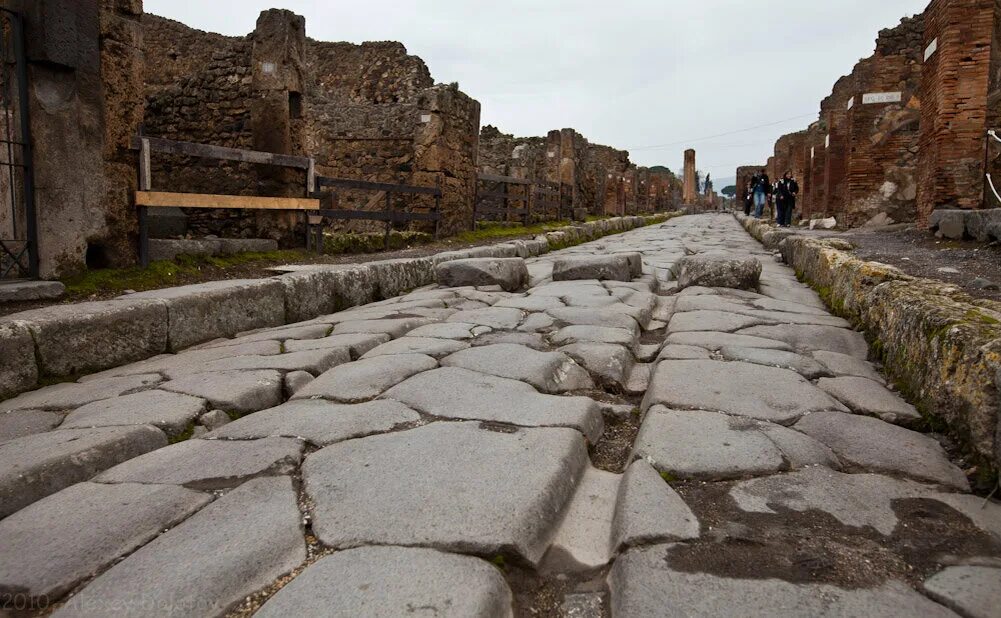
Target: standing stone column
[(276, 112), (690, 189)]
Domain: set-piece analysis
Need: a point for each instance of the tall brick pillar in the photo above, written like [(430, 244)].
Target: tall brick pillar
[(690, 190), (278, 64), (954, 83)]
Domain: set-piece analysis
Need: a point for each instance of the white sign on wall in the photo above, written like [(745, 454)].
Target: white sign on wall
[(268, 68), (881, 97), (425, 117), (851, 102), (931, 49)]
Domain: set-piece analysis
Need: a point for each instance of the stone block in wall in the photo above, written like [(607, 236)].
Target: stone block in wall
[(87, 337), (204, 311), (19, 370)]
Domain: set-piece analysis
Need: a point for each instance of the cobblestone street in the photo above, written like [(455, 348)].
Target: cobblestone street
[(577, 447)]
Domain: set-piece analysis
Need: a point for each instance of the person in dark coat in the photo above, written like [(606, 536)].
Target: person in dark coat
[(748, 200), (785, 199), (762, 188)]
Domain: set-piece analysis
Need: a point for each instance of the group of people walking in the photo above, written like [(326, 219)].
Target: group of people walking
[(761, 192)]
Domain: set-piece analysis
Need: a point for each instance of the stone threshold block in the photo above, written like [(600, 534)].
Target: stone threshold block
[(510, 274)]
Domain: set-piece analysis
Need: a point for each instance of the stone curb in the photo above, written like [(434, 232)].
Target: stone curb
[(67, 340), (941, 347)]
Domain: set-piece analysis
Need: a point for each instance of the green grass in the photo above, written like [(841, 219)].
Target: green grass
[(494, 231)]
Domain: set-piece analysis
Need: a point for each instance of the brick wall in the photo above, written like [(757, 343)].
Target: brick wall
[(954, 104)]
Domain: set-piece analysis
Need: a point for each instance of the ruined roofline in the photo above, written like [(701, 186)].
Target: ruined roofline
[(173, 23)]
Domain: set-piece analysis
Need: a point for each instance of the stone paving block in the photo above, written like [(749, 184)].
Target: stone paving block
[(805, 338), (608, 364), (393, 581), (435, 348), (878, 446), (600, 267), (48, 548), (282, 333), (717, 271), (295, 381), (318, 421), (855, 500), (510, 274), (711, 320), (192, 357), (550, 372), (593, 317), (16, 291), (451, 392), (535, 341), (803, 365), (450, 330), (583, 539), (356, 343), (209, 464), (683, 352), (537, 323), (593, 334), (484, 492), (171, 412), (864, 396), (309, 294), (232, 391), (531, 303), (392, 327), (765, 393), (648, 510), (973, 591), (19, 371), (85, 337), (314, 362), (845, 365), (366, 378), (68, 395), (237, 545), (500, 318), (716, 341), (19, 423), (204, 311), (38, 465), (642, 583)]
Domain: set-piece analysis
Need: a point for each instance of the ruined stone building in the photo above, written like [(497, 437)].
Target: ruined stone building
[(906, 131)]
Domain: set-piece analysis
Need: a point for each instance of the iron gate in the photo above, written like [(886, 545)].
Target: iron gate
[(18, 227)]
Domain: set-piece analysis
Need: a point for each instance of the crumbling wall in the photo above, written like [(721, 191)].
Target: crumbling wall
[(954, 82)]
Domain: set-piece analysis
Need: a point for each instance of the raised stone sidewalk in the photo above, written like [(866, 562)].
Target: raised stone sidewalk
[(579, 447)]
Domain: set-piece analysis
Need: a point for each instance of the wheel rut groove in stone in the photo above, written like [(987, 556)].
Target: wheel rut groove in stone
[(583, 447)]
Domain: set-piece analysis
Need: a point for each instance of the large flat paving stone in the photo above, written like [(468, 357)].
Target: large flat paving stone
[(481, 492), (393, 581), (366, 378), (610, 365), (766, 393), (453, 392), (70, 395), (711, 320), (356, 343), (592, 267), (648, 510), (164, 363), (209, 464), (38, 465), (550, 372), (232, 391), (314, 362), (717, 340), (865, 396), (845, 365), (707, 270), (695, 444), (500, 318), (855, 500), (874, 445), (430, 346), (584, 316), (318, 421), (392, 327), (238, 544), (531, 303), (583, 539), (48, 548), (674, 351), (973, 591), (450, 330), (282, 333), (806, 338), (171, 412), (642, 583), (803, 365), (18, 423), (597, 334)]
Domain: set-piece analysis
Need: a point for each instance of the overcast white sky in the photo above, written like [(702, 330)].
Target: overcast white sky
[(631, 73)]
